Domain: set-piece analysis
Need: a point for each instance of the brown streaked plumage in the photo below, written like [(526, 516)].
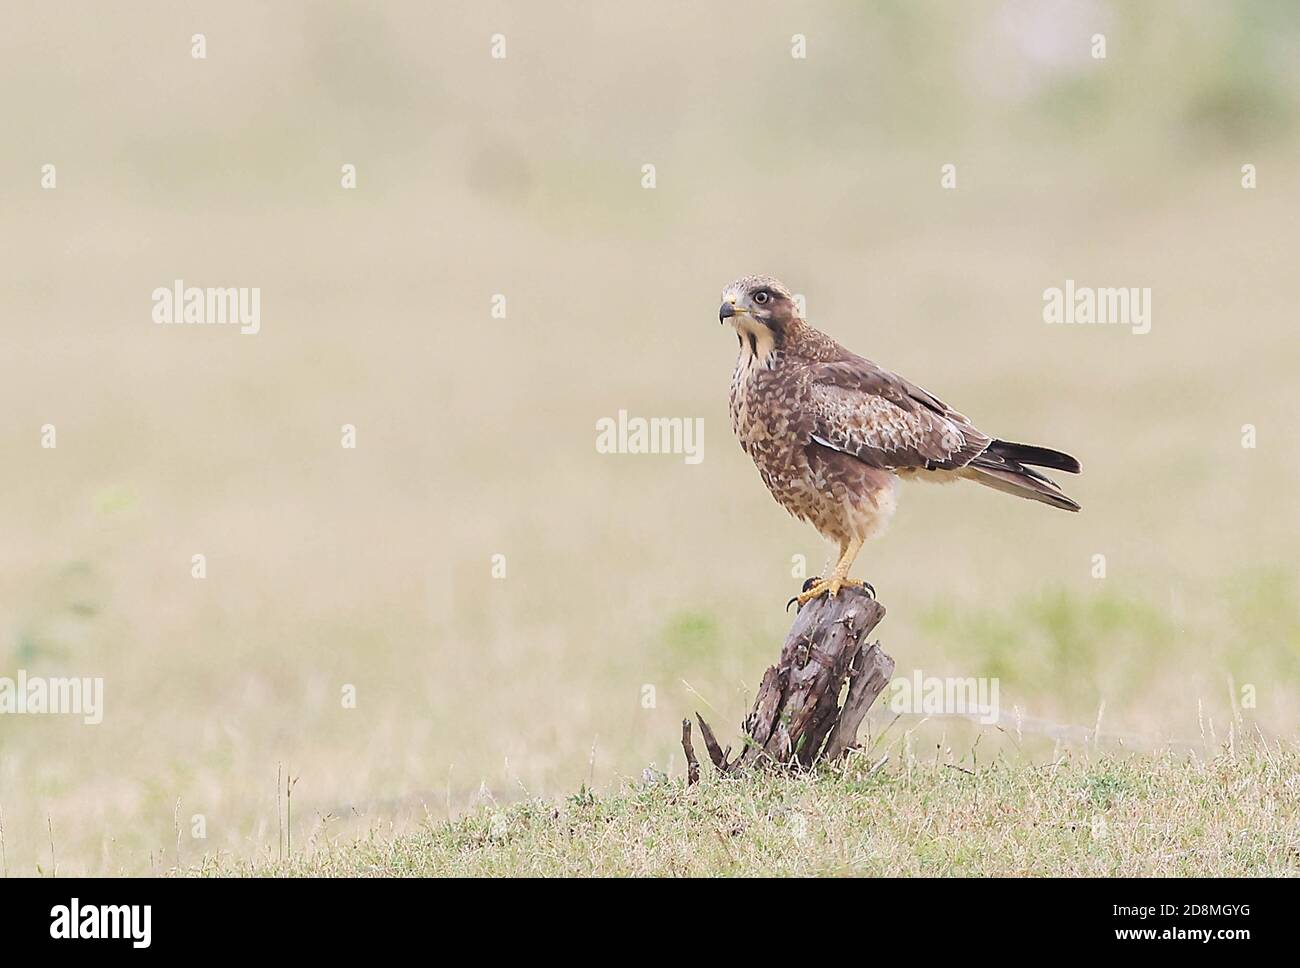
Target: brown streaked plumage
[(831, 432)]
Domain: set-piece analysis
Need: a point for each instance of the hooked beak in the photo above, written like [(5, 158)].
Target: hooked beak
[(727, 310)]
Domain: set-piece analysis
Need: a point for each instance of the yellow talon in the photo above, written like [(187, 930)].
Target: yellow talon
[(839, 577), (830, 586)]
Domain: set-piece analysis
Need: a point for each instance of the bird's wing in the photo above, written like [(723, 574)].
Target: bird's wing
[(883, 420)]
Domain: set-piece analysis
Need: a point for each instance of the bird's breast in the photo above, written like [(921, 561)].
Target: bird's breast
[(764, 408)]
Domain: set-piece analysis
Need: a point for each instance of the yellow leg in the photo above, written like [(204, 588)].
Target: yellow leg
[(839, 576)]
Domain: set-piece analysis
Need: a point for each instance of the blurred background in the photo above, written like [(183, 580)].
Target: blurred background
[(522, 176)]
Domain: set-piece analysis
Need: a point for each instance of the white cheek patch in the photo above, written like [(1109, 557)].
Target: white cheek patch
[(755, 338)]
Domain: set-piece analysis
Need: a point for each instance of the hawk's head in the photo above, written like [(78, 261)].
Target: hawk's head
[(758, 301)]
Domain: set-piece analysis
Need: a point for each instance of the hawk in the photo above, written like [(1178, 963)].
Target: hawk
[(832, 433)]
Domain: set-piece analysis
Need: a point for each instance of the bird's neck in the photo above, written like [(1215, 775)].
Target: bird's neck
[(759, 346)]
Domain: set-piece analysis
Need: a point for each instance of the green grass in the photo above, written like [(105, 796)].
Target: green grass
[(1110, 815)]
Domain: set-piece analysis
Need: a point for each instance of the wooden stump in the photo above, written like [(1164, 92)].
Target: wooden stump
[(797, 716)]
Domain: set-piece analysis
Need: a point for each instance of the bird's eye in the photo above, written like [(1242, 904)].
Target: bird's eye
[(762, 297)]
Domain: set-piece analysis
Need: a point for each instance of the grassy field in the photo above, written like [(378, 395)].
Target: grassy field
[(636, 588), (1079, 815)]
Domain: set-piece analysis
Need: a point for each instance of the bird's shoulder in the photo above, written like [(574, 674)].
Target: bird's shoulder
[(863, 409), (827, 363)]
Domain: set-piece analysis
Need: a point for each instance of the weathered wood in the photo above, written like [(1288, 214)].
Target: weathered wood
[(867, 680), (692, 764), (797, 717), (716, 753)]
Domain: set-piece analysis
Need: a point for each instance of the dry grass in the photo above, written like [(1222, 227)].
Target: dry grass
[(1093, 816)]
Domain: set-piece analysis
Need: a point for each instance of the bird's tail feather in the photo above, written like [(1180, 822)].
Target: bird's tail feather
[(1035, 456), (1011, 478)]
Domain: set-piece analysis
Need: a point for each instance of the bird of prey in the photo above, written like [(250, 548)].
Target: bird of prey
[(831, 433)]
